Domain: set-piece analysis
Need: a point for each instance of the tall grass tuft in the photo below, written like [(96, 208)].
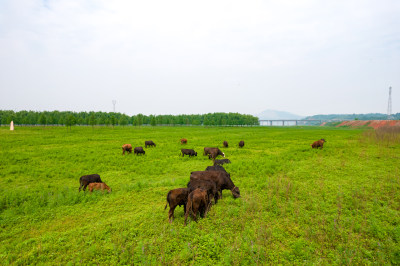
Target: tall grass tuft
[(385, 134)]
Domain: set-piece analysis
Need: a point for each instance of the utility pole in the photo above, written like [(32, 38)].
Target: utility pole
[(389, 110), (114, 102)]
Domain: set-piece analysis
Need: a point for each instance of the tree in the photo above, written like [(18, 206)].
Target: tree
[(123, 121), (42, 119), (153, 120), (70, 121), (92, 120), (112, 120)]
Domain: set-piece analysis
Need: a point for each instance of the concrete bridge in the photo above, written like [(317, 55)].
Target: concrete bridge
[(290, 122)]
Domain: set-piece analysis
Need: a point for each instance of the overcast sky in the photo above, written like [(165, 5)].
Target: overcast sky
[(185, 57)]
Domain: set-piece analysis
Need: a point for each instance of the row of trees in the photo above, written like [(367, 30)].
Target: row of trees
[(101, 118), (370, 116)]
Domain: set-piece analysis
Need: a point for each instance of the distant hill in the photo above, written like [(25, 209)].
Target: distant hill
[(370, 116), (274, 115)]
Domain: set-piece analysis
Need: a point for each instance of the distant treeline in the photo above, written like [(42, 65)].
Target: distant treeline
[(371, 116), (101, 118)]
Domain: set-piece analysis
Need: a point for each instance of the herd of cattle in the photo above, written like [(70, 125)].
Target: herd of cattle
[(203, 188)]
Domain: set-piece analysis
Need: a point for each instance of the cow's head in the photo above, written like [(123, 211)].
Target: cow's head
[(223, 154), (323, 140), (195, 153), (235, 192)]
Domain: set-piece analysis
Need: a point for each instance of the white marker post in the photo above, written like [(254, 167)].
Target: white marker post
[(12, 125)]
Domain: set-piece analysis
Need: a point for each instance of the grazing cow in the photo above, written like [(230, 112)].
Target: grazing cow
[(225, 144), (138, 150), (183, 141), (216, 168), (213, 152), (99, 186), (208, 185), (222, 161), (188, 152), (85, 180), (197, 202), (126, 148), (318, 144), (176, 197), (241, 144), (149, 143), (222, 180)]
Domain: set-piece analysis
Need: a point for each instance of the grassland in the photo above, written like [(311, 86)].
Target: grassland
[(339, 205)]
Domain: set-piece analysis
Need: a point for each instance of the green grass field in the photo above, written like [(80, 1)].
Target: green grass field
[(339, 205)]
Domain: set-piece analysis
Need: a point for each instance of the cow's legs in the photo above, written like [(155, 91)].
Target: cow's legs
[(171, 214)]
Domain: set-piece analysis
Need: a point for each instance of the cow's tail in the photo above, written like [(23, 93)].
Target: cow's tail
[(167, 200)]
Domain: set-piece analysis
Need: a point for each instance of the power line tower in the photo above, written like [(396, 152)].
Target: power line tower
[(114, 102), (389, 110)]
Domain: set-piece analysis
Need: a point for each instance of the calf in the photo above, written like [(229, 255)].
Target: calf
[(225, 144), (99, 186), (138, 150), (126, 148), (149, 143), (318, 144), (85, 180), (197, 202), (208, 185), (188, 152), (176, 197), (241, 144), (183, 141), (221, 162)]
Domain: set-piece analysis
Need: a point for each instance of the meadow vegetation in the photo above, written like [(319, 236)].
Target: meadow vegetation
[(338, 205)]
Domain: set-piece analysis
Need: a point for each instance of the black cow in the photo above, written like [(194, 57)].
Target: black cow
[(85, 180), (216, 168), (138, 150), (241, 144), (222, 161), (222, 180), (189, 152), (225, 144), (149, 143)]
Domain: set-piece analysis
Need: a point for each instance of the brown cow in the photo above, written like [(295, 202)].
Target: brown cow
[(176, 197), (213, 152), (197, 202), (222, 180), (241, 144), (318, 144), (126, 148), (208, 185), (99, 186), (225, 144), (183, 141)]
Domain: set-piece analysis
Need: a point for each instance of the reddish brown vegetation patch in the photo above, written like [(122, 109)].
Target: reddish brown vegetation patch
[(370, 123)]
